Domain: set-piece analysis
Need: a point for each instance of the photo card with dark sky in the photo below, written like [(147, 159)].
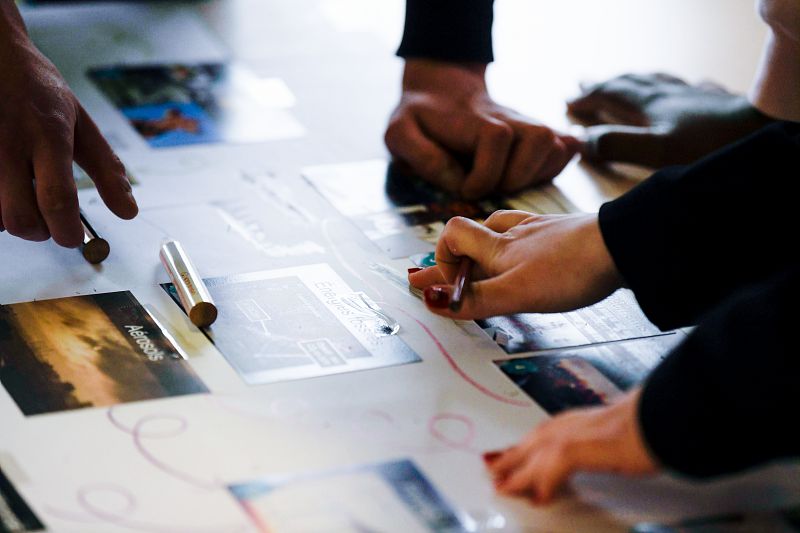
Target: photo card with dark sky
[(88, 351)]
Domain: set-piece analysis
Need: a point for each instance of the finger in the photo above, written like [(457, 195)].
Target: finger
[(491, 153), (573, 144), (480, 299), (427, 276), (406, 141), (712, 87), (523, 477), (542, 474), (504, 219), (463, 237), (557, 159), (56, 193), (93, 153), (551, 471), (606, 108), (669, 78), (509, 460), (527, 157), (20, 213), (641, 146)]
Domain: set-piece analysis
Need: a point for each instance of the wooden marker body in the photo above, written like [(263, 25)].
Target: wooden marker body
[(192, 292), (95, 249)]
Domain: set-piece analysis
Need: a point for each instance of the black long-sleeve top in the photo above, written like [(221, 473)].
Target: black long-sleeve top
[(448, 30), (712, 244)]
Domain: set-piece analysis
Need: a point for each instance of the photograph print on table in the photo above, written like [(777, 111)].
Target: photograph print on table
[(389, 497), (615, 318), (587, 376), (182, 104), (95, 350)]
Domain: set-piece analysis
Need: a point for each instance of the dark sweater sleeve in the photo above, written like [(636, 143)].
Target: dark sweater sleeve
[(448, 30), (687, 237), (725, 400)]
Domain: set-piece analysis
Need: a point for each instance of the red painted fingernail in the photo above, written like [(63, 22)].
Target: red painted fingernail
[(414, 270), (490, 457), (437, 297)]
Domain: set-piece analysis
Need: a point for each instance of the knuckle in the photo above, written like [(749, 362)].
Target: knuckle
[(539, 136), (54, 200), (430, 164), (494, 217), (498, 131), (457, 223), (118, 168), (394, 132), (22, 225)]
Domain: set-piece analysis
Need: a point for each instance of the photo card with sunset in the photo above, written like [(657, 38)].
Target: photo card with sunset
[(87, 351)]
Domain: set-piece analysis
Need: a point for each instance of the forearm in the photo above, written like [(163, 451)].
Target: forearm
[(448, 30), (723, 400), (688, 237)]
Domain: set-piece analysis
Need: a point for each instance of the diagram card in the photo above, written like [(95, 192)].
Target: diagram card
[(404, 215), (87, 351), (587, 376), (388, 497), (15, 515), (618, 317), (300, 323), (180, 104)]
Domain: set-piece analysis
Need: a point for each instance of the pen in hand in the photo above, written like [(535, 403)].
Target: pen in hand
[(462, 278)]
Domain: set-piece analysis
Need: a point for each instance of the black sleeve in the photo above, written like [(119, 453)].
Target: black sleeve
[(688, 237), (726, 399), (448, 30)]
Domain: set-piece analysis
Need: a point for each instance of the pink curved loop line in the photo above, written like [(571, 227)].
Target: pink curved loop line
[(458, 370), (139, 434), (93, 514), (466, 441)]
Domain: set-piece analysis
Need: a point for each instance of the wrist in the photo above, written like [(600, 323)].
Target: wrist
[(444, 76), (642, 458), (605, 269)]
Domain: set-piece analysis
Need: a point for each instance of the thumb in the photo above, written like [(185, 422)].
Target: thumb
[(644, 146)]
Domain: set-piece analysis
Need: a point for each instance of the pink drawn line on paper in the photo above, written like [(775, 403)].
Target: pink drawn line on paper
[(457, 369), (138, 434), (93, 514), (465, 443)]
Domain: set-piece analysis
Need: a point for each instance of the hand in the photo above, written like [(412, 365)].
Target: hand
[(43, 128), (523, 262), (656, 120), (446, 112), (600, 439)]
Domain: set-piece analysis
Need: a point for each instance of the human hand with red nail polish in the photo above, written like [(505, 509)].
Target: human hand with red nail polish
[(597, 439), (522, 263), (43, 129)]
